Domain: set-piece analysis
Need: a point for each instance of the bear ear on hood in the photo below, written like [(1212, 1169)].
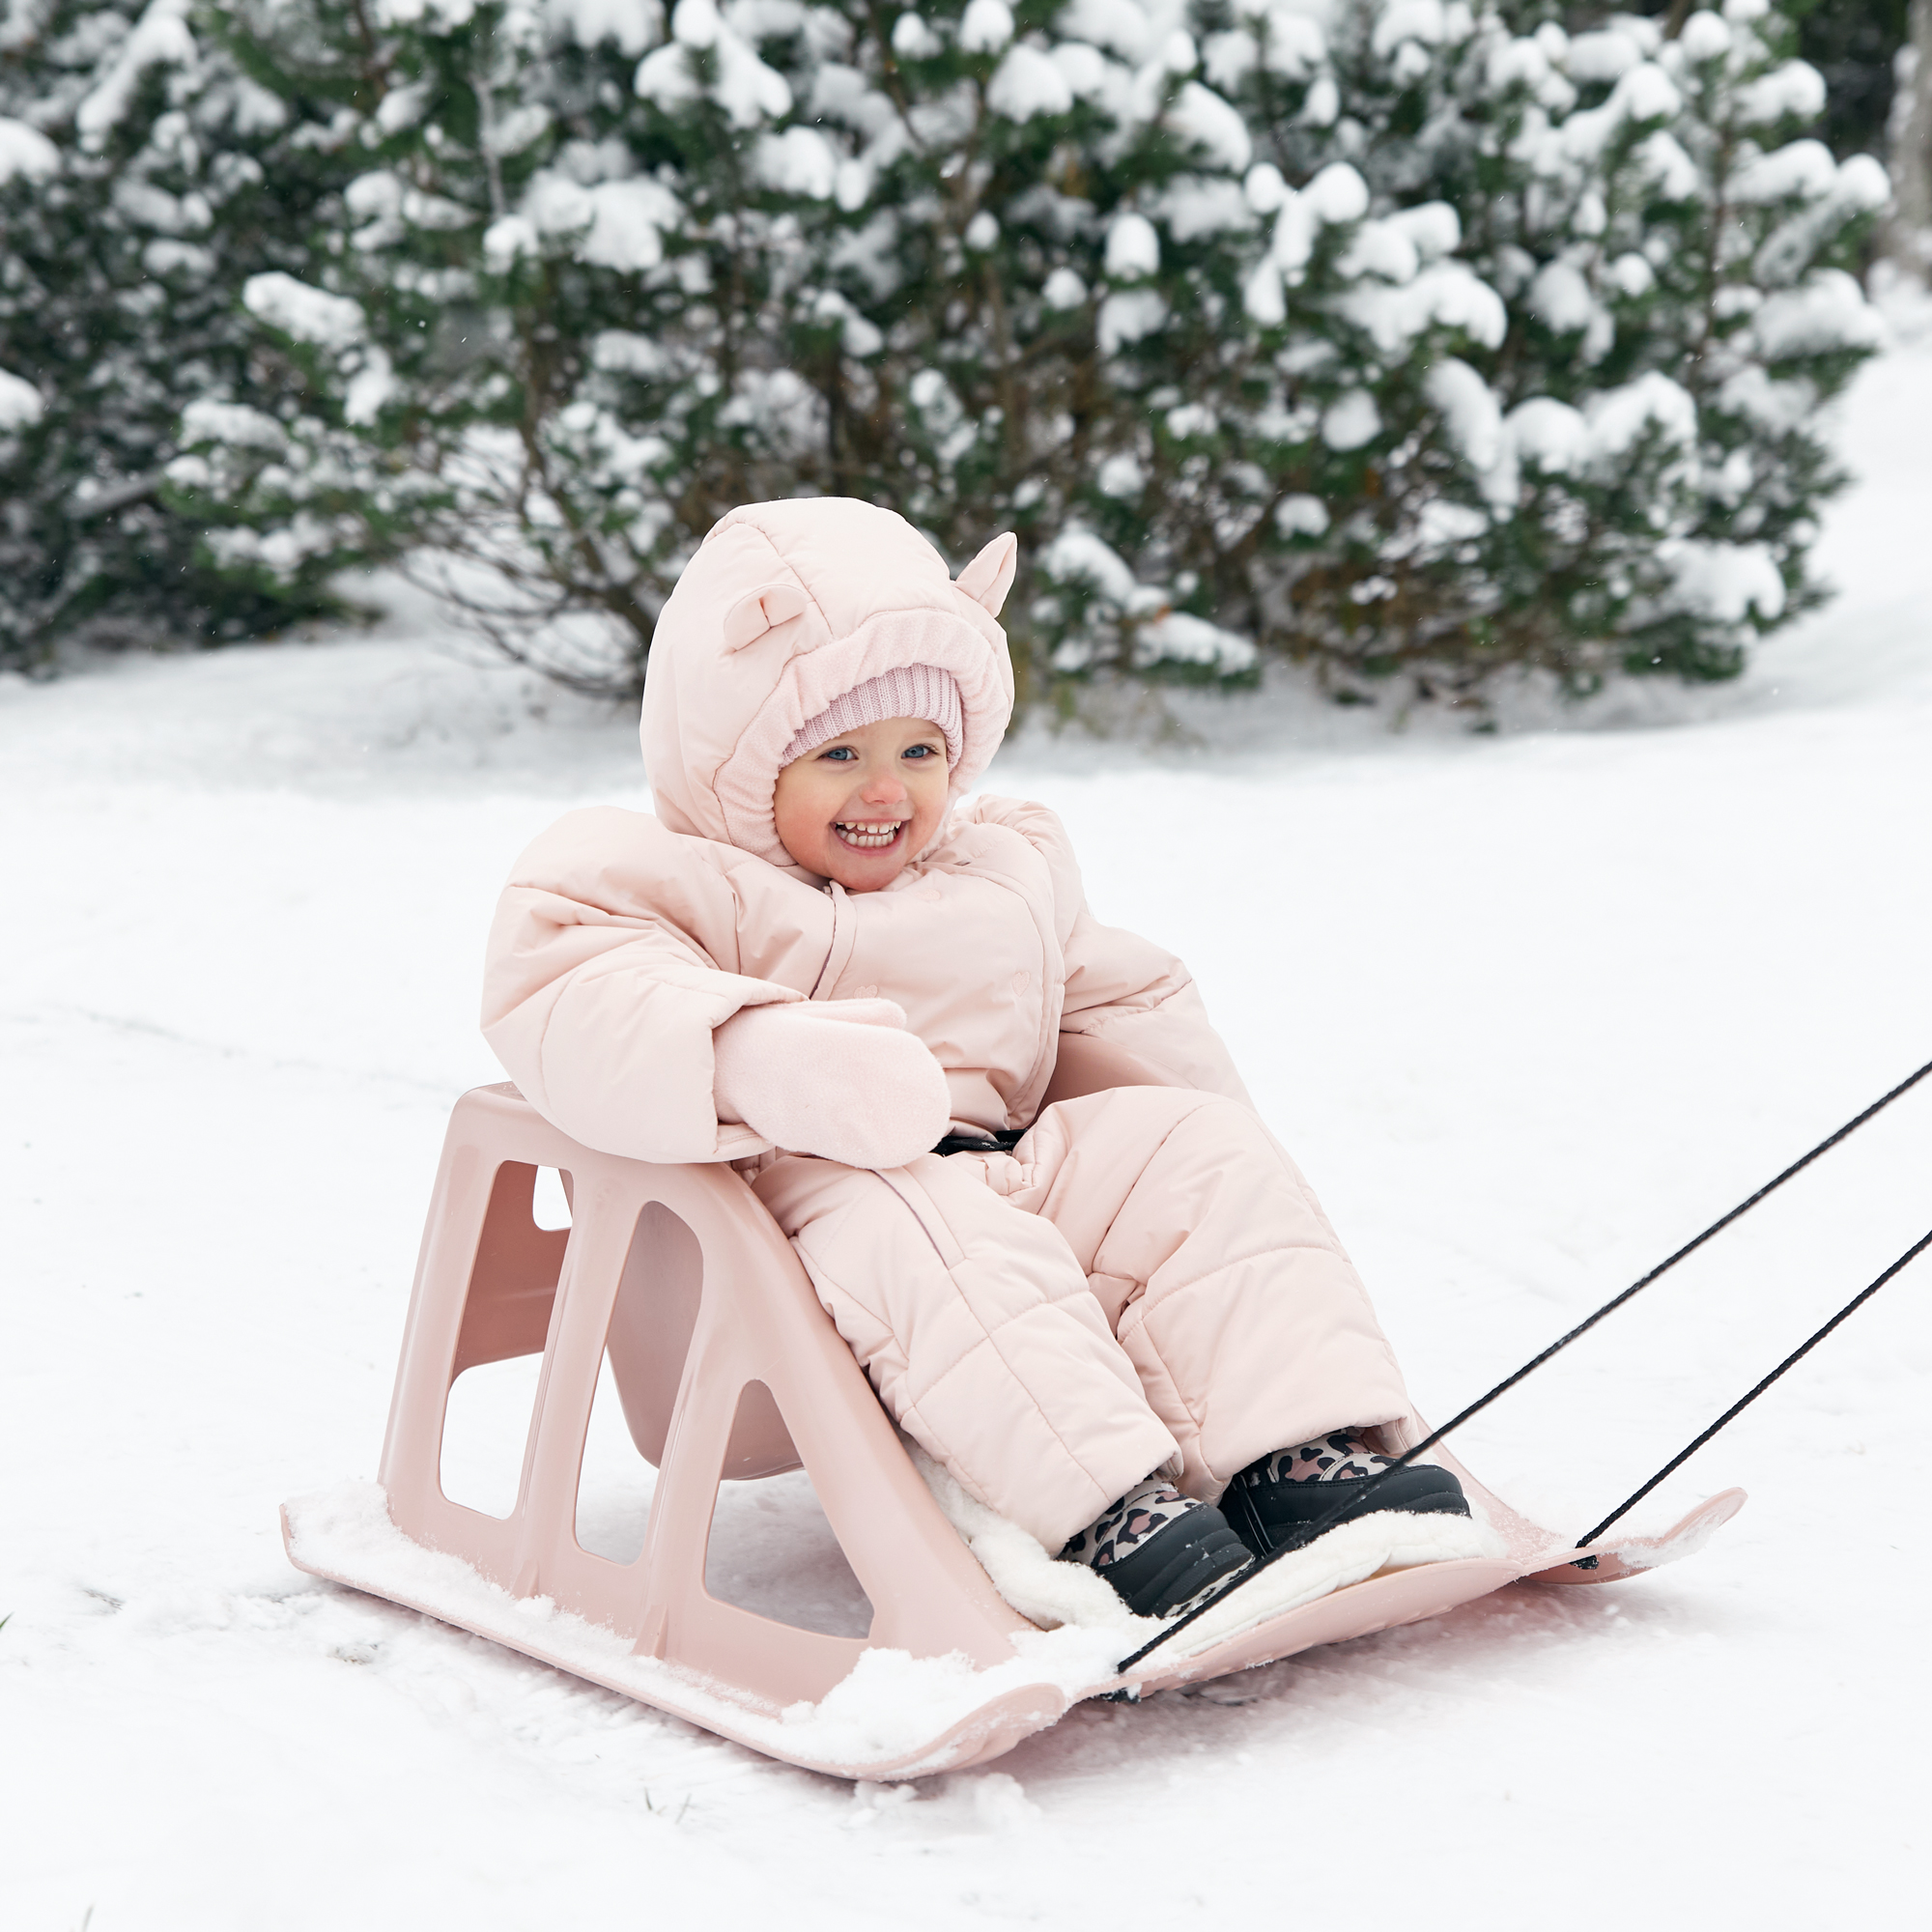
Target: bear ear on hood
[(988, 577), (761, 611)]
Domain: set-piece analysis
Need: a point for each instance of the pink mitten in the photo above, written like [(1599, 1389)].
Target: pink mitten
[(840, 1078)]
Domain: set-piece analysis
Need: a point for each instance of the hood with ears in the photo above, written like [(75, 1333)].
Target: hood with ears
[(785, 608)]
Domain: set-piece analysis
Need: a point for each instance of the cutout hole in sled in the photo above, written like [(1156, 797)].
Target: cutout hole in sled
[(506, 1311), (513, 1279), (772, 1551), (550, 1199), (614, 1483), (486, 1428), (651, 1324)]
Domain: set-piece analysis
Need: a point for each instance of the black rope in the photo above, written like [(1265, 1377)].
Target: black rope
[(1348, 1504), (1665, 1266), (1737, 1407)]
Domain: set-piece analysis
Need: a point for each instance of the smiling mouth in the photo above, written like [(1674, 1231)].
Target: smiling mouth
[(868, 837)]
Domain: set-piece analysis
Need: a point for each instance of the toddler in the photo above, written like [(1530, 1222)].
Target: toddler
[(1012, 1153)]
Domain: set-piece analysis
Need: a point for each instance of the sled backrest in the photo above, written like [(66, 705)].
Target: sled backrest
[(726, 1367), (512, 1293)]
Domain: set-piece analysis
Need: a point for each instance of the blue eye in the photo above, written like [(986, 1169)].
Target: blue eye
[(921, 752), (841, 752)]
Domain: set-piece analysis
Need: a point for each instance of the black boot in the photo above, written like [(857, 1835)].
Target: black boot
[(1161, 1551), (1276, 1502)]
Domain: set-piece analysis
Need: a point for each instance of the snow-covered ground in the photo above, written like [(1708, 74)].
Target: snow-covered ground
[(1531, 1008)]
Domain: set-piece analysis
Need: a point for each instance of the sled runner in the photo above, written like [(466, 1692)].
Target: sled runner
[(727, 1367)]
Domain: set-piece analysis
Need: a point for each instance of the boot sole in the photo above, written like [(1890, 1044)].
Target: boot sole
[(1179, 1565)]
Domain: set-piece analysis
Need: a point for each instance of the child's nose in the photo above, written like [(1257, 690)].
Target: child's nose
[(883, 789)]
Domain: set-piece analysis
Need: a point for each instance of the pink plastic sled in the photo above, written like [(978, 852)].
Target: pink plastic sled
[(727, 1367)]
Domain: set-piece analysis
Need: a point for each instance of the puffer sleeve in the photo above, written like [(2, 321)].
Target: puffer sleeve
[(611, 959), (1132, 1007)]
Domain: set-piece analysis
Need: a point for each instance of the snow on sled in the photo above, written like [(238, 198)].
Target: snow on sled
[(728, 1368)]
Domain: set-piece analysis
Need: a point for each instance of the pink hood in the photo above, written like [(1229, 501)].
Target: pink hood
[(784, 608)]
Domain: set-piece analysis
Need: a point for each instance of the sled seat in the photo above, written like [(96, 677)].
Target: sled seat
[(727, 1366)]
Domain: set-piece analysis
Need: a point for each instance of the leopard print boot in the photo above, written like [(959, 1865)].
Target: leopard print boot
[(1278, 1500), (1161, 1551)]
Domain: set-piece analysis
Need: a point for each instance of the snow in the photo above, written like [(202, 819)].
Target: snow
[(1645, 92), (1296, 36), (1077, 553), (746, 88), (1337, 194), (799, 161), (1119, 26), (1619, 418), (1027, 83), (1350, 421), (404, 12), (1087, 70), (1632, 274), (1301, 515), (307, 314), (26, 151), (1070, 1597), (1380, 248), (1607, 55), (1445, 294), (1704, 38), (985, 26), (1425, 20), (1725, 580), (914, 39), (1433, 228), (21, 402), (633, 24), (1663, 159), (1128, 316), (1862, 183), (370, 388), (1794, 90), (1529, 1010), (1063, 289), (1196, 205), (1294, 240), (1560, 297), (1828, 312), (1228, 58), (1470, 410), (1203, 117), (1262, 295), (1180, 639), (890, 1705), (1133, 247), (621, 224), (1264, 189), (160, 37), (1802, 168), (1549, 434)]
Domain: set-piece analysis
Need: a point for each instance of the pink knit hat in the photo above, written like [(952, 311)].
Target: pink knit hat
[(910, 691)]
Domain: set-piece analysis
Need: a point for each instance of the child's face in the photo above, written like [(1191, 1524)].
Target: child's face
[(858, 807)]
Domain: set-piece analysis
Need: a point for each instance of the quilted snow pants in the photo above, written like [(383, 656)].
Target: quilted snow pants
[(1144, 1281)]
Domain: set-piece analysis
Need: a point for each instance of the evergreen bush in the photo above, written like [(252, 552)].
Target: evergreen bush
[(1402, 336), (142, 177)]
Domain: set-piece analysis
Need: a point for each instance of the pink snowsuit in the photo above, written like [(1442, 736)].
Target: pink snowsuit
[(1146, 1279)]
